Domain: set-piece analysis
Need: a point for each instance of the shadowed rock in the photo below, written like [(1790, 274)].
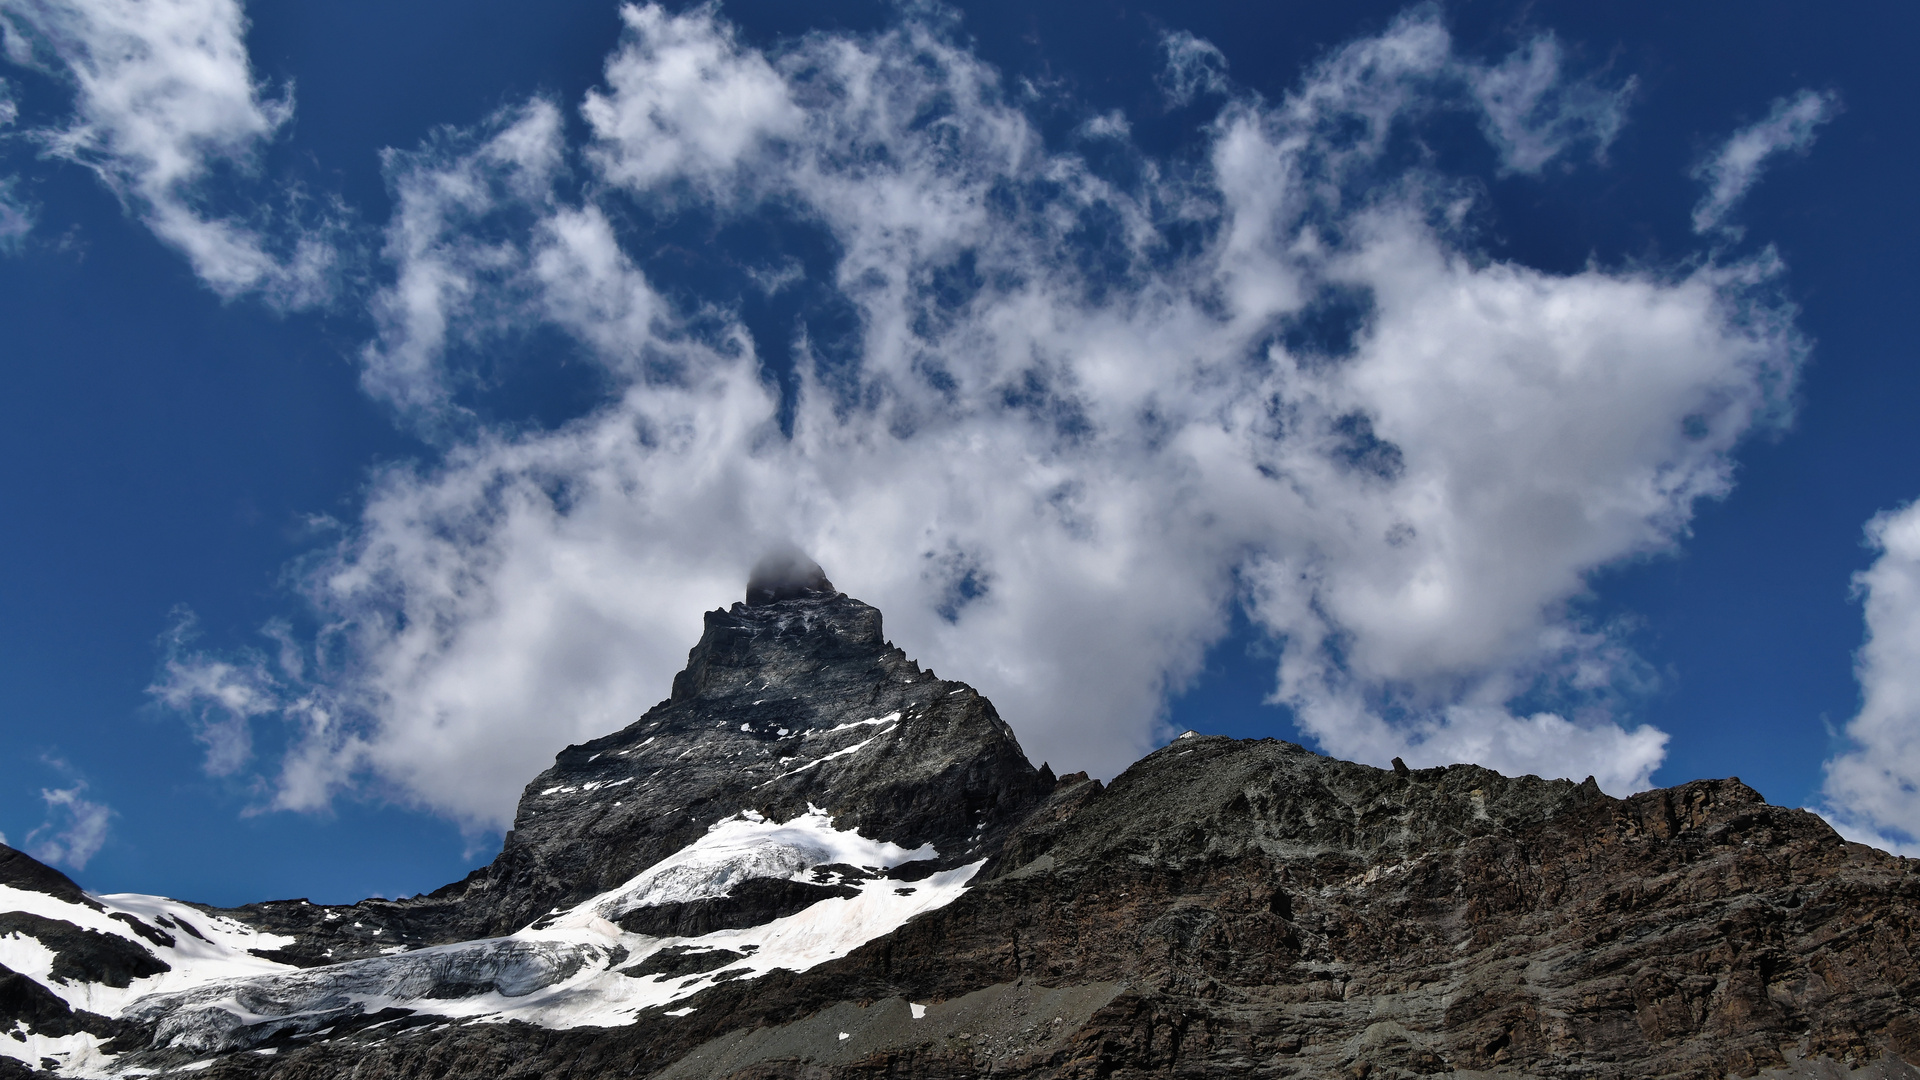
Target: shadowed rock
[(786, 573), (750, 903), (18, 870), (1223, 909), (1252, 909), (84, 956)]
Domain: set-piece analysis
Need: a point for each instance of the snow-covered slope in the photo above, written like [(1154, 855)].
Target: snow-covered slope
[(577, 967), (88, 958), (806, 790), (198, 986)]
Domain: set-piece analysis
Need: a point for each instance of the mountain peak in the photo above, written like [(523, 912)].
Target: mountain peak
[(785, 708), (817, 858), (786, 573)]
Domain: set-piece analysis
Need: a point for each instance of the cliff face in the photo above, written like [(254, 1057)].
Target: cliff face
[(1271, 912), (816, 860), (783, 705)]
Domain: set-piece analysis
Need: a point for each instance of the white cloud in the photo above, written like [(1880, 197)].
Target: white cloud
[(1059, 449), (1532, 113), (1194, 68), (15, 44), (1737, 165), (684, 101), (16, 216), (446, 249), (165, 99), (220, 696), (1872, 791), (1108, 125), (1544, 426), (75, 829)]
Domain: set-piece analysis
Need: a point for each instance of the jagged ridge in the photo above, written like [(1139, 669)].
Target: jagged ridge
[(1224, 908)]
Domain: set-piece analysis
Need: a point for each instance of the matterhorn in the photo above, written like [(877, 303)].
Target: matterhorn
[(818, 860)]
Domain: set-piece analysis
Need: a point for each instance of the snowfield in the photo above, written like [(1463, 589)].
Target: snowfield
[(566, 971), (204, 949)]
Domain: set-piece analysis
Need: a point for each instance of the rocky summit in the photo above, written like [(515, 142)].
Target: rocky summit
[(817, 860)]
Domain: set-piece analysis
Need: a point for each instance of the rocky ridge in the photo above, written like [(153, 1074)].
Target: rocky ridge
[(1223, 908)]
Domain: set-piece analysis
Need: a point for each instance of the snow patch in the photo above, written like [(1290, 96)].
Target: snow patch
[(219, 997), (220, 952), (561, 973), (854, 749), (215, 949), (744, 846), (887, 719)]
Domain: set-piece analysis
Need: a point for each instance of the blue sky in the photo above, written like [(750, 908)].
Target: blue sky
[(389, 389)]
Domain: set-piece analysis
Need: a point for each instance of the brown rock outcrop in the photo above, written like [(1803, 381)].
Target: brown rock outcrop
[(1252, 909), (1223, 909)]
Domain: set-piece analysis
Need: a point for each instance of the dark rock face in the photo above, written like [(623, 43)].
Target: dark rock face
[(749, 903), (24, 1001), (84, 955), (786, 574), (1275, 913), (1252, 909), (1224, 909), (782, 705), (18, 870), (330, 934)]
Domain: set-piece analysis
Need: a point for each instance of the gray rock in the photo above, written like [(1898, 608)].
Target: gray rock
[(1224, 908)]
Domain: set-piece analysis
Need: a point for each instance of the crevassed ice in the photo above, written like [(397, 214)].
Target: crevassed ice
[(567, 972), (219, 953)]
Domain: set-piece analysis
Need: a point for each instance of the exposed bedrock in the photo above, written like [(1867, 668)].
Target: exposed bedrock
[(749, 903), (1251, 909), (81, 955), (1223, 909), (770, 715), (767, 715)]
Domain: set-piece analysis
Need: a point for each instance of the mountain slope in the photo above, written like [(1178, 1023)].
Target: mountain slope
[(806, 788), (816, 860)]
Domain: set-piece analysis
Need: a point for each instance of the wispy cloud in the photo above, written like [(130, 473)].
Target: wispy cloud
[(1055, 445), (220, 696), (16, 216), (165, 108), (463, 205), (1194, 68), (1733, 169), (1872, 791), (1533, 112), (75, 829)]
